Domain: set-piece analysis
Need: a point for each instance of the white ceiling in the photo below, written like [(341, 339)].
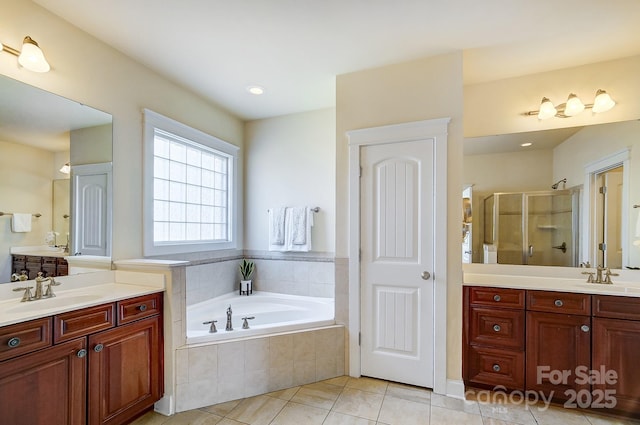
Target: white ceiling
[(295, 48)]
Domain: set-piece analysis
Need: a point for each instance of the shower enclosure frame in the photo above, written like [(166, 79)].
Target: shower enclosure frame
[(527, 249)]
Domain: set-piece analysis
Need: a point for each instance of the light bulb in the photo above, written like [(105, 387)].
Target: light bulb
[(573, 106), (547, 110), (66, 168), (31, 57), (602, 102)]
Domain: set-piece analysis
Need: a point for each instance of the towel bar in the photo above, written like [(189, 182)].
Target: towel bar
[(6, 213), (314, 209)]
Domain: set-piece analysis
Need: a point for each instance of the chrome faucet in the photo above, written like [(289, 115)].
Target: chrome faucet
[(245, 321), (229, 326)]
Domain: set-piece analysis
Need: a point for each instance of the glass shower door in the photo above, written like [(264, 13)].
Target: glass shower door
[(550, 224), (509, 234)]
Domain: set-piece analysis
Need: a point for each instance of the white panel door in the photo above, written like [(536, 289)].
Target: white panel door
[(91, 209), (397, 262)]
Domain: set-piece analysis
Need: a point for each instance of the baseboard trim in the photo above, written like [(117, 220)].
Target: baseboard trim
[(455, 388), (164, 406)]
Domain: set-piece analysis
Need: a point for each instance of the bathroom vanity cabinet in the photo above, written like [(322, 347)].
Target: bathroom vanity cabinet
[(494, 334), (97, 365), (589, 338), (32, 264), (616, 344), (558, 337)]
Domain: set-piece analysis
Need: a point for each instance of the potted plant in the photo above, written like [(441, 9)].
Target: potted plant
[(246, 270)]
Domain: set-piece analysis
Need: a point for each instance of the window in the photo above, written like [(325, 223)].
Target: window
[(190, 189)]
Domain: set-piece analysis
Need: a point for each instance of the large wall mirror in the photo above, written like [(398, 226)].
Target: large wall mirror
[(565, 197), (40, 132)]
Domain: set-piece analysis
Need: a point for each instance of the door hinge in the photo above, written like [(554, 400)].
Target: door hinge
[(603, 189), (602, 246), (360, 172), (359, 339)]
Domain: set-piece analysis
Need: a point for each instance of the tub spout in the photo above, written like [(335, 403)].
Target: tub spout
[(229, 326)]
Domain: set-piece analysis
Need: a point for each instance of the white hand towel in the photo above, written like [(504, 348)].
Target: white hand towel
[(299, 226), (298, 229), (21, 222), (277, 229)]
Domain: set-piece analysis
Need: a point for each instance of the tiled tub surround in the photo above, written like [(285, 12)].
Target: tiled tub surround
[(308, 276), (215, 373), (200, 375), (223, 371)]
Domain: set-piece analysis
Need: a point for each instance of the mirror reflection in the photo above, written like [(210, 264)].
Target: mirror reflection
[(560, 197), (40, 132)]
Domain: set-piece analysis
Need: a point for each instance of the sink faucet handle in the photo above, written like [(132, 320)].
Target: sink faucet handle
[(589, 277), (49, 292), (27, 293), (245, 321), (608, 274)]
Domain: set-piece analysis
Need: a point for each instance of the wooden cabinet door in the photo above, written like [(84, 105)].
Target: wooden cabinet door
[(558, 343), (616, 344), (125, 371), (45, 387)]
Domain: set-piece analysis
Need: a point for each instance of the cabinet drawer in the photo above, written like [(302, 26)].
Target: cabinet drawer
[(493, 367), (496, 297), (559, 302), (24, 337), (497, 328), (616, 307), (77, 323), (139, 308)]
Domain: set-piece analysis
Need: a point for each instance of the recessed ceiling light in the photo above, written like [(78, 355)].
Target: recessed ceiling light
[(257, 90), (524, 145)]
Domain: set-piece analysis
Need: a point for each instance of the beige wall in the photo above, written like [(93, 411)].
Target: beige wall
[(509, 171), (593, 143), (418, 90), (91, 145), (497, 107), (25, 187), (290, 161), (87, 71)]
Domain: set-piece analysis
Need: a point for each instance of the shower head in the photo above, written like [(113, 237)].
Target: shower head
[(555, 185)]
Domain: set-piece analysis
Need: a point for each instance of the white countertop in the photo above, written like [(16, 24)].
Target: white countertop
[(566, 279), (76, 292), (39, 251)]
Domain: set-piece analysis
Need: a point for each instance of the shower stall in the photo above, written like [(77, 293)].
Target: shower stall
[(536, 228)]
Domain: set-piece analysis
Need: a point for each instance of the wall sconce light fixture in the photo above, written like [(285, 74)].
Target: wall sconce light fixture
[(66, 168), (31, 57), (573, 106)]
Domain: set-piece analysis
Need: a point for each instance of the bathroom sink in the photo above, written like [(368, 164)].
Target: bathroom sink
[(57, 302)]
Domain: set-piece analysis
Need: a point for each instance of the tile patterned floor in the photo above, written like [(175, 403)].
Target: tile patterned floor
[(366, 401)]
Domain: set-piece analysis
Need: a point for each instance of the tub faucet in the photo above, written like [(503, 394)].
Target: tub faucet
[(245, 323), (229, 326)]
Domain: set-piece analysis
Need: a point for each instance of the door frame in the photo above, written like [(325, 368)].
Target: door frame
[(589, 249), (435, 129)]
